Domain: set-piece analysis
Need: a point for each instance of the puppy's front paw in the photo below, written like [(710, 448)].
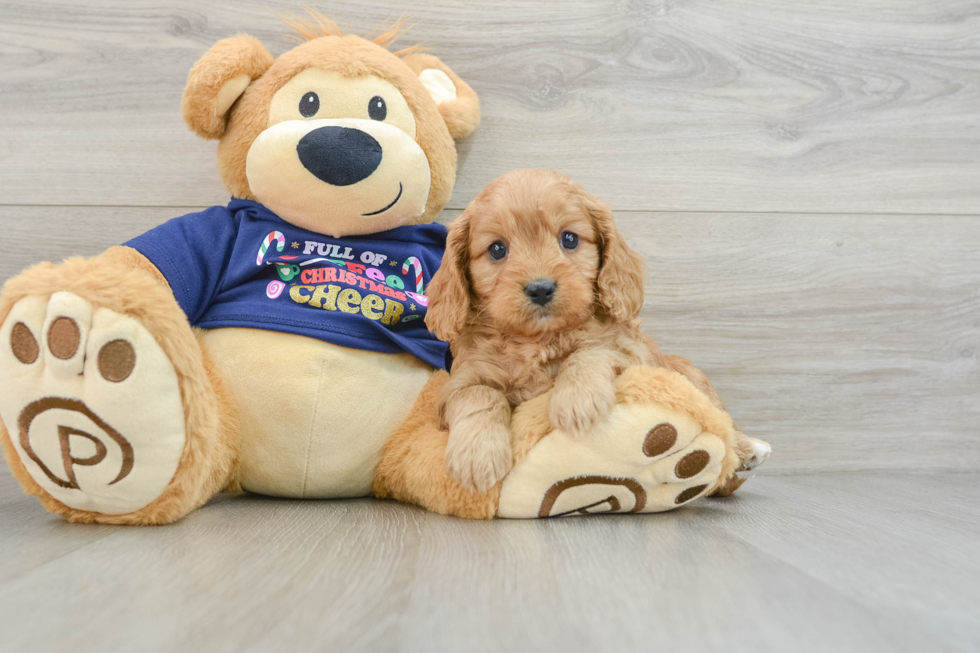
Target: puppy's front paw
[(478, 454), (575, 408)]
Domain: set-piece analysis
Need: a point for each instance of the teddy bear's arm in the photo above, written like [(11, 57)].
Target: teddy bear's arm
[(192, 252), (131, 258)]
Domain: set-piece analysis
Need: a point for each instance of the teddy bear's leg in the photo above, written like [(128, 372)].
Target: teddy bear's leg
[(413, 464), (663, 445), (752, 452), (110, 408)]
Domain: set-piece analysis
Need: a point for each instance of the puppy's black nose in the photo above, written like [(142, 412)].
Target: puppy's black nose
[(540, 291), (340, 156)]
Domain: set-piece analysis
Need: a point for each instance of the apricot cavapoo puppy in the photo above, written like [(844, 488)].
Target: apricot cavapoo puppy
[(537, 290)]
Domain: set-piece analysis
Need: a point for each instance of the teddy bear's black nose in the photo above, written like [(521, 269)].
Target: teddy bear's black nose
[(540, 291), (340, 156)]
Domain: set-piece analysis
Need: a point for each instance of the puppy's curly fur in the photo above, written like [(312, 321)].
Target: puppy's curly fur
[(508, 348)]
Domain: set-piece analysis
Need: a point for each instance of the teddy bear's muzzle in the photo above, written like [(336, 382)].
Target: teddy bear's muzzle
[(339, 176)]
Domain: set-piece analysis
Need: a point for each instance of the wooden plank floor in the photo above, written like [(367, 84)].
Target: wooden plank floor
[(838, 562)]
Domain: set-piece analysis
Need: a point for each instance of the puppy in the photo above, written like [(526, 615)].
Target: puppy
[(537, 290)]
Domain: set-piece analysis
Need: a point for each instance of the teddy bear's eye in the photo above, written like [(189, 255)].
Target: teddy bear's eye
[(377, 108), (309, 105)]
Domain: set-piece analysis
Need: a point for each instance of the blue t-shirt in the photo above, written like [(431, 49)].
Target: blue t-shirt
[(244, 266)]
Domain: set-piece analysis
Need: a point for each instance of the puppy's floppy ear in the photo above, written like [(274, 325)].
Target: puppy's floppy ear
[(457, 102), (449, 290), (218, 79), (620, 281)]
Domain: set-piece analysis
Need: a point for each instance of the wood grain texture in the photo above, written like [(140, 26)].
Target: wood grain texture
[(703, 105), (848, 342), (847, 562)]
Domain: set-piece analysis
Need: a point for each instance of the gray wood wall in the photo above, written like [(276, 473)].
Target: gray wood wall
[(803, 177)]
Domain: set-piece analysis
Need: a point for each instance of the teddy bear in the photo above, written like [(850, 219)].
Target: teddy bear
[(278, 344)]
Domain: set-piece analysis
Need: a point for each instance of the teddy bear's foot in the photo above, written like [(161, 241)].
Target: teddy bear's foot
[(92, 403), (95, 411), (662, 446)]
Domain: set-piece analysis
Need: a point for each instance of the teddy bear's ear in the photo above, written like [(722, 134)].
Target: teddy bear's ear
[(218, 79), (457, 102)]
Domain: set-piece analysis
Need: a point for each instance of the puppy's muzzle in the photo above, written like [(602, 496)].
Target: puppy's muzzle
[(540, 291), (339, 156)]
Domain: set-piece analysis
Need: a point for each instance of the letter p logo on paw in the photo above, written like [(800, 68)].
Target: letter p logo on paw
[(67, 435)]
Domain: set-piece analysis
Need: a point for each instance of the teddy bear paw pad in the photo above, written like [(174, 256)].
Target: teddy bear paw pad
[(640, 458), (91, 403)]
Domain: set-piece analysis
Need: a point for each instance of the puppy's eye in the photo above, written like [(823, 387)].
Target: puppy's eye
[(377, 108), (568, 240), (309, 104), (497, 251)]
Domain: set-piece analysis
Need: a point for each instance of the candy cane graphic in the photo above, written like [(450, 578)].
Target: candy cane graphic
[(418, 272), (264, 247)]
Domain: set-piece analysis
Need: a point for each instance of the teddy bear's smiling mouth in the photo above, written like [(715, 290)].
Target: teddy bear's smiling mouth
[(393, 202)]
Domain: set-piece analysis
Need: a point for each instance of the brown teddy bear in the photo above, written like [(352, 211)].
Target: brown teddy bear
[(278, 344)]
